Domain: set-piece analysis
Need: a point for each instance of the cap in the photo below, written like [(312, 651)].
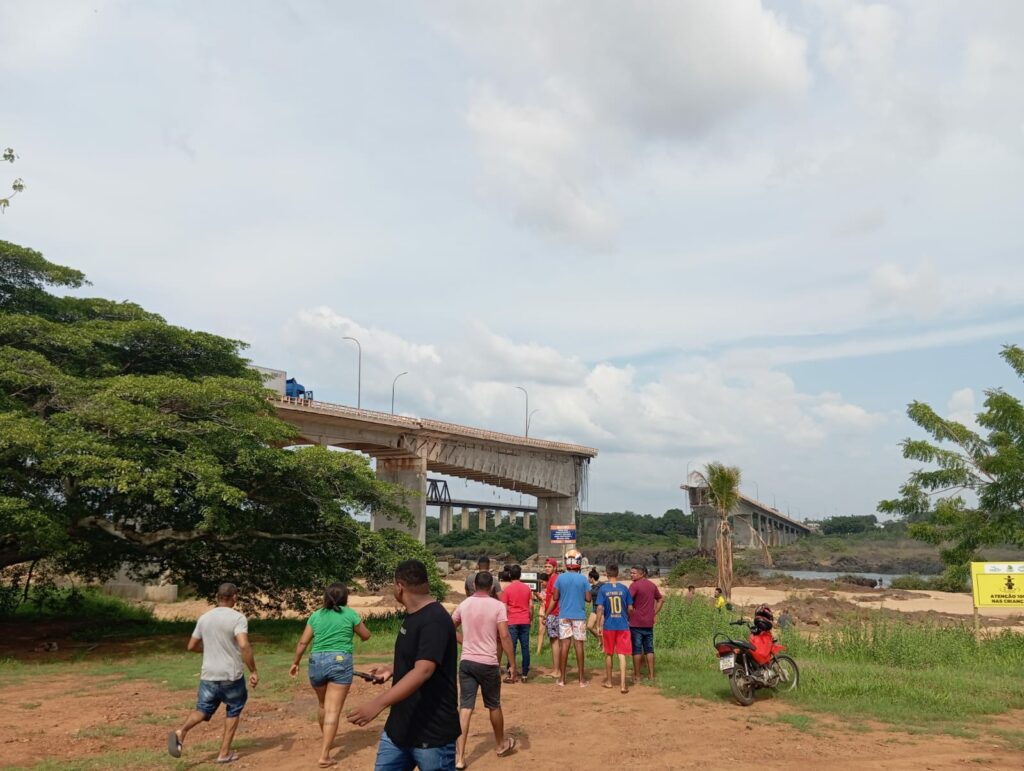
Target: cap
[(551, 561)]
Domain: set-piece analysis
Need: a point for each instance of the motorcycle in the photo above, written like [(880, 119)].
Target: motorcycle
[(736, 660)]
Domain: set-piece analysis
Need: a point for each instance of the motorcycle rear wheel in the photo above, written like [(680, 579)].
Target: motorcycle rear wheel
[(742, 687), (787, 673)]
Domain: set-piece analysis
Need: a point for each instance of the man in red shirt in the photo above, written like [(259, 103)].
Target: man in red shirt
[(550, 614), (647, 602), (518, 599)]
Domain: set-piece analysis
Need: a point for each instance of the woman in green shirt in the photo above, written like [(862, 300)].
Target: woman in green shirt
[(331, 629)]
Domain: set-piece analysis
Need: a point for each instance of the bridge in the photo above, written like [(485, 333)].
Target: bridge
[(438, 495), (753, 523), (406, 449)]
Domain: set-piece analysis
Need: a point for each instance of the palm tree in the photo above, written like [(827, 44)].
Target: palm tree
[(723, 490)]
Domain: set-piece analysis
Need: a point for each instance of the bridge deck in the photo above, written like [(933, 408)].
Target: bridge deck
[(438, 427)]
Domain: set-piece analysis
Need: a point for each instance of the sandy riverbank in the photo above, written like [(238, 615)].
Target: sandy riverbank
[(944, 604)]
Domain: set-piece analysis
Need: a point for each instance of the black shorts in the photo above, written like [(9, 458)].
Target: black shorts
[(485, 676)]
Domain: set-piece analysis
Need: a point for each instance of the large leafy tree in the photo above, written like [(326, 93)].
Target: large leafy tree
[(971, 494), (723, 491), (125, 440)]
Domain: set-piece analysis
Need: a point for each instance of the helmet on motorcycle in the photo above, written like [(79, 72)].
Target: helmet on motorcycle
[(573, 560), (763, 618)]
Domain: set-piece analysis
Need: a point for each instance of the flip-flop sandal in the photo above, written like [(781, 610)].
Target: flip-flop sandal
[(329, 764), (460, 767), (509, 748), (229, 759), (173, 745)]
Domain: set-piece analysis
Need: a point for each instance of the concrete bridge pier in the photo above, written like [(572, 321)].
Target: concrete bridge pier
[(526, 520), (445, 520), (410, 473), (482, 515), (560, 510), (465, 518)]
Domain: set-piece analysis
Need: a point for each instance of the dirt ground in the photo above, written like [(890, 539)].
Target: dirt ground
[(62, 719), (557, 728)]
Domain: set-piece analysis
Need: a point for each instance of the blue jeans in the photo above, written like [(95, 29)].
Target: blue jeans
[(231, 693), (330, 667), (520, 633), (391, 757), (643, 639)]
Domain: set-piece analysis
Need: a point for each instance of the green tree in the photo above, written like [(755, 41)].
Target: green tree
[(847, 525), (125, 440), (381, 551), (972, 493), (722, 484), (16, 186)]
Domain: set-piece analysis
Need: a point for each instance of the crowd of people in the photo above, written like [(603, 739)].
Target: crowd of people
[(434, 689)]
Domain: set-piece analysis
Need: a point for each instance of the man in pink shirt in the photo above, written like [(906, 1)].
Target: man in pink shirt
[(482, 624), (518, 598)]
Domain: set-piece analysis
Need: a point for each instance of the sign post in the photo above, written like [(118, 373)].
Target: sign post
[(996, 585)]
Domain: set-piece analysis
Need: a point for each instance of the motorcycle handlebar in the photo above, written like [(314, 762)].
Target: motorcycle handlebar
[(738, 622)]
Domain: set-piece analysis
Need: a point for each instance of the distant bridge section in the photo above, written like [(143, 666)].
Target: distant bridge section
[(406, 449), (753, 522)]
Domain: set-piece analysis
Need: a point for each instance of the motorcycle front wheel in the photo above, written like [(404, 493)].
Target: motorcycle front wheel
[(787, 673), (742, 687)]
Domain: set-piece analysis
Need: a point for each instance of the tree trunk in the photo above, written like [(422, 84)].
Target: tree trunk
[(723, 556)]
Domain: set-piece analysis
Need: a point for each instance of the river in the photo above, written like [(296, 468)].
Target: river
[(885, 579)]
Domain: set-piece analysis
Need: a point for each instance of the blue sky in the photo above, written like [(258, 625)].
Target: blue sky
[(746, 231)]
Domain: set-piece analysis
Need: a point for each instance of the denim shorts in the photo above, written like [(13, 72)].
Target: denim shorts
[(643, 639), (231, 693), (330, 667), (391, 757)]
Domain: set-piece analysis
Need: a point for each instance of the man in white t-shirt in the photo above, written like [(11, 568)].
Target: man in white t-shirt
[(482, 622), (222, 636)]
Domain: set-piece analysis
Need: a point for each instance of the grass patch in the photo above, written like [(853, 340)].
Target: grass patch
[(1015, 739), (862, 668), (101, 732), (134, 759), (157, 654), (798, 721), (31, 705), (75, 603)]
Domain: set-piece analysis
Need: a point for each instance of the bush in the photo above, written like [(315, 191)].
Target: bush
[(913, 581), (381, 551), (89, 603), (943, 583), (693, 570)]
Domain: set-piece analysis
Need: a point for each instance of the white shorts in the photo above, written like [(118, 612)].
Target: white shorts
[(575, 628)]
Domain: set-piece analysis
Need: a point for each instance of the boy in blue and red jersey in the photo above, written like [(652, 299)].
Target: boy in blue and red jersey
[(614, 609)]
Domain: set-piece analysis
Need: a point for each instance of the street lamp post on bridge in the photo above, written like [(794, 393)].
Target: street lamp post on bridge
[(359, 374), (529, 420), (526, 412), (393, 390)]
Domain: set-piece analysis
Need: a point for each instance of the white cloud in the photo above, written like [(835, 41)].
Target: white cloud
[(961, 408), (579, 91), (913, 292), (702, 409)]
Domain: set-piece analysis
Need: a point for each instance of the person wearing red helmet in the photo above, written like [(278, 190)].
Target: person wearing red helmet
[(572, 593)]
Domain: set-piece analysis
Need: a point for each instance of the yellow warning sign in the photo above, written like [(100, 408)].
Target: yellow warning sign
[(998, 584)]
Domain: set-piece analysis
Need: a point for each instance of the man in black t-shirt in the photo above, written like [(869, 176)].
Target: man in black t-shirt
[(423, 725)]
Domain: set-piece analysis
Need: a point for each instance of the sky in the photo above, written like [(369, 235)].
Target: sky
[(750, 231)]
